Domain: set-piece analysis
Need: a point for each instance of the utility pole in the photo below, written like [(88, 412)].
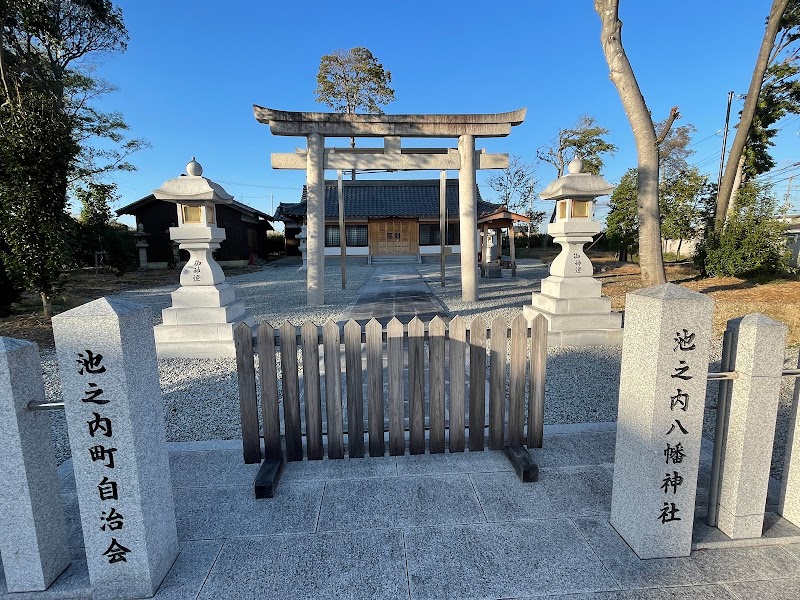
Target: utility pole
[(724, 142), (789, 192)]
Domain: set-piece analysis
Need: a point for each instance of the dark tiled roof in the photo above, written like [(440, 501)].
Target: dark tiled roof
[(132, 208), (380, 198)]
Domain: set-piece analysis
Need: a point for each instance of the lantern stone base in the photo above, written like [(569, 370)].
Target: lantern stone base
[(576, 313), (200, 323)]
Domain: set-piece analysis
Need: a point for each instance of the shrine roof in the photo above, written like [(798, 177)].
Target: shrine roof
[(385, 198)]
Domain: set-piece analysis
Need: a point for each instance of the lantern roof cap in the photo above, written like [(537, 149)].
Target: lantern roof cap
[(576, 184), (192, 187)]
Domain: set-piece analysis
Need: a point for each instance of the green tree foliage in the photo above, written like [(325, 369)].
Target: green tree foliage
[(514, 185), (674, 150), (681, 199), (354, 79), (753, 240), (48, 126), (36, 150), (97, 232), (622, 223), (780, 94), (585, 139)]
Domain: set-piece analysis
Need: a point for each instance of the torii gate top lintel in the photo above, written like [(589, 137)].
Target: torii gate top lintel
[(361, 125)]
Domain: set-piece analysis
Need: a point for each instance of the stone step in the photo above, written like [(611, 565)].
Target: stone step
[(395, 259), (197, 333), (203, 315), (576, 322), (581, 338)]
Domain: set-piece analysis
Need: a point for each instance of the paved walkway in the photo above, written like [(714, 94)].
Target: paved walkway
[(394, 291), (436, 527)]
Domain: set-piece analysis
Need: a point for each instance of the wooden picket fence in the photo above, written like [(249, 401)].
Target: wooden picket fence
[(402, 347)]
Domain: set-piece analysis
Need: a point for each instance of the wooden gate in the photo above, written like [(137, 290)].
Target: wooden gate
[(415, 358)]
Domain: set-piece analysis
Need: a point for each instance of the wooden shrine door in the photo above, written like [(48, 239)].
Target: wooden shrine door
[(393, 236)]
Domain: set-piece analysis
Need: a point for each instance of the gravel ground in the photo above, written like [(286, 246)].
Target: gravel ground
[(201, 398)]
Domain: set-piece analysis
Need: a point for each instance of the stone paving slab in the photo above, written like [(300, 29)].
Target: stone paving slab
[(457, 462), (702, 567), (569, 450), (704, 592), (787, 589), (502, 561), (346, 468), (210, 468), (364, 564), (568, 491), (394, 291), (399, 502), (456, 525), (222, 512), (190, 570)]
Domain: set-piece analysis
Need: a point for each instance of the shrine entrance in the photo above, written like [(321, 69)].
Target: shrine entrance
[(393, 236), (315, 159)]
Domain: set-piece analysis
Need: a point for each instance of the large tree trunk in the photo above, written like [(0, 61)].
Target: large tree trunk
[(725, 192), (47, 305), (621, 74), (737, 183)]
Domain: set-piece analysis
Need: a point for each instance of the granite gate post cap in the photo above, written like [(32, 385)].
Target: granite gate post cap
[(670, 291), (576, 184), (758, 336), (192, 187), (102, 307)]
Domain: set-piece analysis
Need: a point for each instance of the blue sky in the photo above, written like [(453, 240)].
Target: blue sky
[(193, 70)]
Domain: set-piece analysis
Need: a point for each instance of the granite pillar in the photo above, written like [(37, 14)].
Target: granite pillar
[(315, 221), (468, 218), (660, 421), (115, 418), (33, 539), (759, 344), (790, 483)]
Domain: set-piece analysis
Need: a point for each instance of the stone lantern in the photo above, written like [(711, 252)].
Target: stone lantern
[(302, 247), (204, 310), (141, 246), (570, 299)]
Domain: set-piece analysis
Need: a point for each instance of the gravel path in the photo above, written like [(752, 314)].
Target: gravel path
[(201, 398)]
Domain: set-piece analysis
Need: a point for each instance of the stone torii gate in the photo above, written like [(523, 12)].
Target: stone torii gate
[(316, 158)]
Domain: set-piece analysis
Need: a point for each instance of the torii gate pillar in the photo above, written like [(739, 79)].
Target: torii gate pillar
[(468, 218), (315, 220)]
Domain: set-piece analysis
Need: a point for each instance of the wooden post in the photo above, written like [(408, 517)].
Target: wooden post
[(538, 376), (436, 361), (512, 248), (355, 393), (375, 387), (394, 353), (310, 341), (248, 406), (291, 392), (442, 220), (270, 417), (477, 383), (416, 386), (342, 230), (458, 350), (333, 389), (497, 386), (516, 384)]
